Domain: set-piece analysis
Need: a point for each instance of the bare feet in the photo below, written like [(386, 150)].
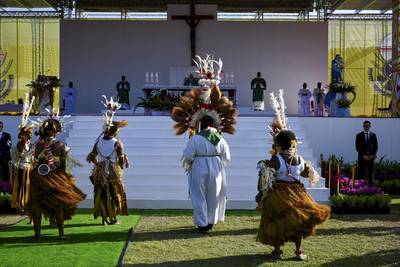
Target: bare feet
[(276, 254), (300, 255), (63, 237), (114, 222)]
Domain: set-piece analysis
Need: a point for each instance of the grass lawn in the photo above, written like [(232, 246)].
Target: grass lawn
[(168, 238), (89, 243)]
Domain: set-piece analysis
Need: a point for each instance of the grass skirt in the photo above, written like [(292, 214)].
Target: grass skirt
[(20, 179), (53, 193), (109, 192), (288, 210)]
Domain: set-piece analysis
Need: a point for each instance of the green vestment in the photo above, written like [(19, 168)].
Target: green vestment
[(258, 85), (123, 88)]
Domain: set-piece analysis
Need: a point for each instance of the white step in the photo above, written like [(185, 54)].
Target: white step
[(172, 141), (157, 179), (177, 151), (169, 133)]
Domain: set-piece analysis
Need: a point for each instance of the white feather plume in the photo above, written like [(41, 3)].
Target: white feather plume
[(282, 108), (26, 110), (108, 116), (273, 102)]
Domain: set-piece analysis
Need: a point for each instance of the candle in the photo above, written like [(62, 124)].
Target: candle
[(338, 178), (338, 185), (322, 165), (338, 170), (329, 173)]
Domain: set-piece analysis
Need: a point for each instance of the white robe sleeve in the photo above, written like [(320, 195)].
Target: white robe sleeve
[(189, 152), (224, 152)]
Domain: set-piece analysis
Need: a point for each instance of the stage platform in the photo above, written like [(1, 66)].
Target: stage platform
[(157, 180)]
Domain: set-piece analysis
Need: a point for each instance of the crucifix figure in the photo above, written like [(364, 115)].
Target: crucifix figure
[(193, 20)]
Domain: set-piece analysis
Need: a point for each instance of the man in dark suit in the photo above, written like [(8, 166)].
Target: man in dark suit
[(5, 146), (367, 146)]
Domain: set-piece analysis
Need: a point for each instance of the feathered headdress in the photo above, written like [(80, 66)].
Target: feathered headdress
[(278, 106), (54, 117), (206, 72), (191, 108), (108, 117)]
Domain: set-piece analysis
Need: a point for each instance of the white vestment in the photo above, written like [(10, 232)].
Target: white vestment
[(69, 97), (304, 101), (207, 179)]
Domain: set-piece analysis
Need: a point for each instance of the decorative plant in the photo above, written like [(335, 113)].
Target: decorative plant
[(344, 89), (361, 202), (390, 186), (5, 198), (42, 85), (159, 100), (344, 103)]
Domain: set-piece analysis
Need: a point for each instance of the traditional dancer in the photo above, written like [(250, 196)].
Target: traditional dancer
[(21, 160), (109, 159), (52, 191), (288, 211), (206, 113)]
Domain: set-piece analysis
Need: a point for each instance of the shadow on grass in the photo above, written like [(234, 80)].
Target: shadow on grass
[(45, 226), (73, 238), (187, 233), (393, 217), (380, 258), (368, 231), (239, 260), (189, 212)]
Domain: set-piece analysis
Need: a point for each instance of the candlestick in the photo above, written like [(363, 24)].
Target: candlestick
[(338, 185), (353, 176), (329, 173)]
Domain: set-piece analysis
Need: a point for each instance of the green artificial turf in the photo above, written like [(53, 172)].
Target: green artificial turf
[(89, 243)]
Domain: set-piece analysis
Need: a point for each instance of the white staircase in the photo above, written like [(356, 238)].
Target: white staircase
[(156, 178)]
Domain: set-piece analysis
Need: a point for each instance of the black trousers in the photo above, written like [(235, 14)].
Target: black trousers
[(4, 170), (365, 166)]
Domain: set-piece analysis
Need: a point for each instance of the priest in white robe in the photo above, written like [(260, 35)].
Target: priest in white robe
[(205, 158), (305, 96)]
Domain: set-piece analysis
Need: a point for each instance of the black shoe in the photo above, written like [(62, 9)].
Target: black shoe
[(203, 229), (210, 226)]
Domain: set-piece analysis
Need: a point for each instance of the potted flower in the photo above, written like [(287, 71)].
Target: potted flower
[(159, 103), (342, 91), (43, 89)]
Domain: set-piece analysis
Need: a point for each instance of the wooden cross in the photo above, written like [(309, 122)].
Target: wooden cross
[(193, 20)]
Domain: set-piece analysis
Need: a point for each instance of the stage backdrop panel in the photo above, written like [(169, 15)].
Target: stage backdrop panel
[(94, 55)]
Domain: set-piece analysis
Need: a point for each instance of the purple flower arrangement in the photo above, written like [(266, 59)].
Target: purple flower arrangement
[(361, 187), (5, 186)]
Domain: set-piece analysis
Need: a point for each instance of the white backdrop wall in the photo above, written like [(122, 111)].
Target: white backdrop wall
[(94, 55), (326, 135)]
